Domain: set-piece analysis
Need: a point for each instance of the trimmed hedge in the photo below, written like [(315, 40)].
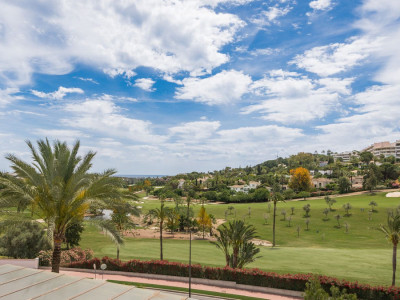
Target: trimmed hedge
[(256, 277)]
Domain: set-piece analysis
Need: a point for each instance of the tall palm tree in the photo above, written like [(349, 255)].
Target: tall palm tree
[(392, 233), (161, 214), (235, 241), (276, 197), (59, 185)]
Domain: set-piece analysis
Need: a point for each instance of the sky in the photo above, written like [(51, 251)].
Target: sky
[(173, 86)]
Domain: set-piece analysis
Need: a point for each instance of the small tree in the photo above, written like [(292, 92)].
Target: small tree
[(344, 185), (338, 217), (307, 221), (203, 220), (307, 209), (347, 226), (298, 231), (330, 202), (304, 195), (373, 204), (392, 233), (283, 213), (266, 217), (289, 219), (292, 209), (369, 215), (326, 212), (347, 208)]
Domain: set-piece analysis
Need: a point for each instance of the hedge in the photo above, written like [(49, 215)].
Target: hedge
[(256, 277)]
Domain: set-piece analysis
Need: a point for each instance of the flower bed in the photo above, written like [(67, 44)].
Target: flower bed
[(256, 277), (67, 256)]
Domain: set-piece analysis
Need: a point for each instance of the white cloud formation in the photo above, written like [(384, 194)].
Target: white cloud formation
[(223, 88), (60, 134), (292, 98), (145, 84), (271, 15), (103, 116), (336, 57), (194, 131), (87, 79), (8, 95), (114, 36), (59, 94), (320, 4)]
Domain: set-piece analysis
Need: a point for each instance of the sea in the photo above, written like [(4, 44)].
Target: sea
[(140, 176)]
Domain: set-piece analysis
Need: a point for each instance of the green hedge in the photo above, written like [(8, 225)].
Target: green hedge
[(256, 277)]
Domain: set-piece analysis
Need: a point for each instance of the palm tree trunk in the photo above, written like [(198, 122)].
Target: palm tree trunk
[(394, 263), (161, 248), (56, 259), (117, 251), (273, 226)]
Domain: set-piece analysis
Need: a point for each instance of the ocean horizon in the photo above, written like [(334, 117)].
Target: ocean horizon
[(140, 176)]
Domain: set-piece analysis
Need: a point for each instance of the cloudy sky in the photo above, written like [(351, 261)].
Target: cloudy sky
[(168, 86)]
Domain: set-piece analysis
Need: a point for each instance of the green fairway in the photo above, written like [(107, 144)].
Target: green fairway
[(361, 255)]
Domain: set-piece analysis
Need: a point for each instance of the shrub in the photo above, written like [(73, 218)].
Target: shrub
[(24, 240), (67, 256)]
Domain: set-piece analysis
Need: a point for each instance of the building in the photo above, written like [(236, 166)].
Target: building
[(240, 188), (345, 156), (384, 148), (254, 184), (320, 183)]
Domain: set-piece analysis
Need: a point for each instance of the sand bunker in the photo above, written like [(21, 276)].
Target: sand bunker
[(393, 194)]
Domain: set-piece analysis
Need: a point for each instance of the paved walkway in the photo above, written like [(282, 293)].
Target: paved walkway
[(179, 284)]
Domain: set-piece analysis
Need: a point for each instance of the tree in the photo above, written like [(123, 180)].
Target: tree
[(370, 179), (392, 233), (73, 234), (344, 185), (304, 194), (121, 215), (24, 240), (338, 217), (307, 209), (330, 202), (276, 197), (326, 212), (235, 241), (366, 157), (59, 184), (203, 220), (300, 179), (161, 215), (373, 204), (347, 208)]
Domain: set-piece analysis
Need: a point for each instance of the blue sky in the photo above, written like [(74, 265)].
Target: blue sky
[(163, 87)]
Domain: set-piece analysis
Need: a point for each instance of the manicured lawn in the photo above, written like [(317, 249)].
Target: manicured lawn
[(361, 255)]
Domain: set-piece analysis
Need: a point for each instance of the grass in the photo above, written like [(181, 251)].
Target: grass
[(185, 290), (363, 254)]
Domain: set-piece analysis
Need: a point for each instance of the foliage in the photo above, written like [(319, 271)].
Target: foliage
[(203, 219), (373, 204), (121, 215), (300, 179), (314, 291), (23, 240), (347, 208), (235, 241), (255, 277), (73, 234), (307, 209), (329, 201), (303, 194), (344, 185), (67, 256)]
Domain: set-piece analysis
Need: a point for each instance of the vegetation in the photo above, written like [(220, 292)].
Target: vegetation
[(235, 242), (392, 233)]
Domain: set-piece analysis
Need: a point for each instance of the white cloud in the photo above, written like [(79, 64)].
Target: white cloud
[(292, 98), (87, 79), (336, 57), (59, 94), (195, 131), (114, 36), (223, 88), (145, 84), (60, 134), (8, 95), (103, 116), (320, 4), (271, 15)]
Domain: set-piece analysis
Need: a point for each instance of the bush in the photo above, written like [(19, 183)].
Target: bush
[(255, 277), (67, 256), (24, 240)]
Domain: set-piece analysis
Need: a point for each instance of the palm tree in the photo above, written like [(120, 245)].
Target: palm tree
[(235, 241), (161, 214), (392, 233), (276, 197), (58, 184)]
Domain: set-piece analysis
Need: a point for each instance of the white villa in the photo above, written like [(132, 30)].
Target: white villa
[(246, 187)]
